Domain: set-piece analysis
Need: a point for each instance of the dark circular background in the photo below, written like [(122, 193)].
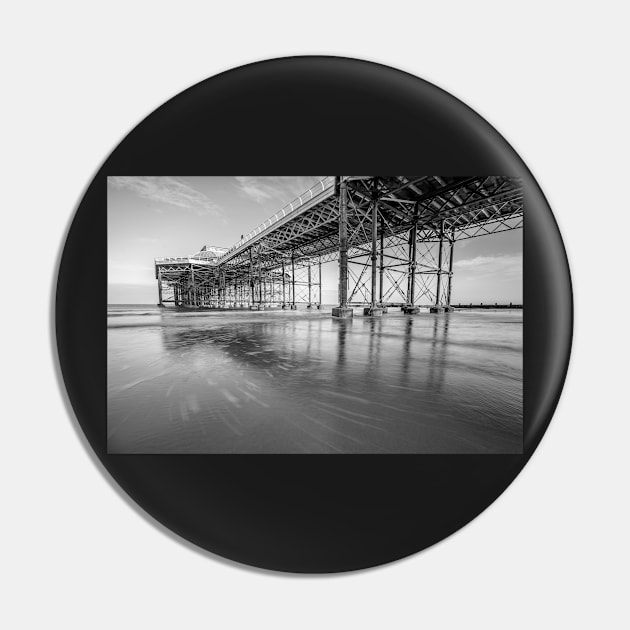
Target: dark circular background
[(317, 513)]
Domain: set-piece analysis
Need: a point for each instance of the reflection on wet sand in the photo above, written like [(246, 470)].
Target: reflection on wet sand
[(302, 382)]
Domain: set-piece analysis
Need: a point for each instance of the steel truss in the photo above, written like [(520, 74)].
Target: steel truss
[(265, 285), (394, 238)]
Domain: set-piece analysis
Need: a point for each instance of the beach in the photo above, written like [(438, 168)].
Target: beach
[(236, 381)]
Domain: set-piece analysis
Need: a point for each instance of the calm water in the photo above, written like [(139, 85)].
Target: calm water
[(301, 382)]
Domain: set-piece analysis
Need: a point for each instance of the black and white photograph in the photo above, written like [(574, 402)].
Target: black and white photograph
[(359, 314)]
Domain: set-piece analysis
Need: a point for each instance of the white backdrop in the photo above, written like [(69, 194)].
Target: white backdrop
[(552, 551)]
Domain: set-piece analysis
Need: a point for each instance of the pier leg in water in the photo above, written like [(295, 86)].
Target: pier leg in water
[(448, 308), (293, 307), (437, 307), (309, 305), (319, 302), (410, 308), (382, 267), (342, 311), (160, 303), (374, 310), (253, 305), (284, 295)]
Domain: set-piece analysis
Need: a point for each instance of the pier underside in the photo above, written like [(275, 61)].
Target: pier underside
[(393, 238)]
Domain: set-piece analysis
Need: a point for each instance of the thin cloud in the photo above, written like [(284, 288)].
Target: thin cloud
[(281, 189), (170, 190), (254, 188)]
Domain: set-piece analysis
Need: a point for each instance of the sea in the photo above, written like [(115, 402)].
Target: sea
[(184, 381)]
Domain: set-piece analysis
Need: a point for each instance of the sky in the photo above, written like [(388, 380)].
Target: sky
[(153, 217)]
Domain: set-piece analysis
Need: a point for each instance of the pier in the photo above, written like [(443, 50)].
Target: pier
[(393, 237)]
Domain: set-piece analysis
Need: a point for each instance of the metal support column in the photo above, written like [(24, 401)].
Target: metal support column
[(192, 279), (374, 308), (374, 242), (160, 303), (222, 289), (450, 270), (260, 282), (342, 311), (319, 304), (410, 307), (284, 288), (439, 266), (382, 266), (438, 293), (293, 281), (309, 285), (251, 279)]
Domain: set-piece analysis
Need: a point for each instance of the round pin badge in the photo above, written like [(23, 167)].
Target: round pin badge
[(313, 373)]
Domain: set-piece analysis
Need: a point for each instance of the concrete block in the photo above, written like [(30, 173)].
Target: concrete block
[(377, 311), (342, 313)]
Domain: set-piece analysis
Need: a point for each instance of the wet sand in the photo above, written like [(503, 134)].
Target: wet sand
[(300, 382)]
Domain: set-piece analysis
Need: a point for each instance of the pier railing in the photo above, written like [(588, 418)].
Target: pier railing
[(185, 260), (299, 202), (314, 193)]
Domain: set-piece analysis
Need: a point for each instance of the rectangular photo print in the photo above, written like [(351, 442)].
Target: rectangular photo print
[(339, 314)]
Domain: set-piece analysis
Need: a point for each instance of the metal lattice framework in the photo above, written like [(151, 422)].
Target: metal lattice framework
[(394, 238)]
